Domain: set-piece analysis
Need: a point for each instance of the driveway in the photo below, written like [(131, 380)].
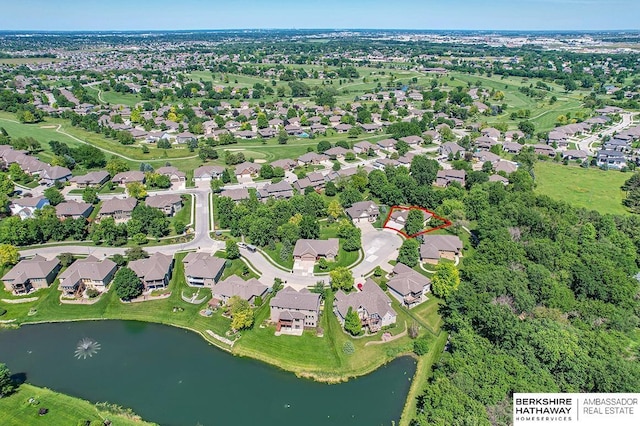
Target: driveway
[(303, 267), (379, 247)]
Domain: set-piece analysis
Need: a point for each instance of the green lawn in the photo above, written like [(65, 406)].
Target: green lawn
[(592, 188), (16, 410)]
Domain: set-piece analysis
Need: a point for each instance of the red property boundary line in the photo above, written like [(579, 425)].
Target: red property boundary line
[(446, 223)]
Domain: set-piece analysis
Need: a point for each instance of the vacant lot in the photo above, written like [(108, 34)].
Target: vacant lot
[(591, 188)]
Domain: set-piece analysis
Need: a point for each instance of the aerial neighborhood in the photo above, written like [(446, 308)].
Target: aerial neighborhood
[(327, 210)]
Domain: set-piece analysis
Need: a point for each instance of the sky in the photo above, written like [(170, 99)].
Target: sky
[(81, 15)]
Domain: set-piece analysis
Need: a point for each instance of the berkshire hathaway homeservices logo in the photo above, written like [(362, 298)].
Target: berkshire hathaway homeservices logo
[(584, 409)]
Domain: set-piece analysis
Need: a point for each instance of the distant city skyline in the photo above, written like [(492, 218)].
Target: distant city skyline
[(70, 15)]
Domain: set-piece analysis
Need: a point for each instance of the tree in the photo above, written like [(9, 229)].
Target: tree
[(527, 127), (323, 145), (402, 147), (283, 137), (266, 171), (54, 196), (232, 250), (127, 284), (241, 313), (7, 386), (90, 195), (334, 209), (415, 222), (9, 255), (352, 323), (341, 279), (309, 228), (136, 190), (263, 123), (136, 253), (330, 189), (116, 165), (350, 196), (424, 170), (446, 280), (421, 346), (409, 253)]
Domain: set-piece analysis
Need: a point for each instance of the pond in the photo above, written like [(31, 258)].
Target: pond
[(173, 377)]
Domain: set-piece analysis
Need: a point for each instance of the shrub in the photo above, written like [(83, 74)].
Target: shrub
[(348, 348), (92, 292), (420, 346), (413, 330)]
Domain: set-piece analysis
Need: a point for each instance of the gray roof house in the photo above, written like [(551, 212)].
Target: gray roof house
[(314, 180), (435, 247), (124, 178), (25, 207), (408, 286), (173, 173), (207, 173), (87, 273), (170, 204), (53, 174), (446, 177), (236, 195), (363, 211), (293, 311), (363, 147), (285, 163), (236, 286), (247, 169), (450, 148), (31, 274), (370, 302), (280, 190), (155, 271), (118, 208), (202, 269), (73, 210), (315, 249), (312, 158), (92, 179)]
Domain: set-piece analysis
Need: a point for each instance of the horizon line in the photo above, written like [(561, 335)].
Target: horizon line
[(316, 29)]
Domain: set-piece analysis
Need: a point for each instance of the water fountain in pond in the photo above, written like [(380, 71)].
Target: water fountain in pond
[(86, 348)]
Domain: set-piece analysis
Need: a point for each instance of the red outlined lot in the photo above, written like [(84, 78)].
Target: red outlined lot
[(446, 223)]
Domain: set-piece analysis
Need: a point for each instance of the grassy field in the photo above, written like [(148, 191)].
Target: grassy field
[(591, 188), (16, 410)]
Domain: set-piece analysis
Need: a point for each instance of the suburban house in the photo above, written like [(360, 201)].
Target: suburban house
[(491, 133), (435, 247), (409, 287), (574, 154), (31, 274), (124, 178), (541, 149), (450, 148), (311, 158), (363, 211), (236, 286), (202, 269), (363, 147), (119, 209), (247, 170), (185, 137), (236, 195), (89, 273), (512, 147), (286, 164), (173, 173), (387, 144), (611, 159), (370, 302), (204, 173), (280, 190), (337, 152), (445, 177), (155, 271), (293, 311), (484, 143), (92, 179), (73, 210), (53, 174), (484, 156), (316, 249), (170, 204), (26, 207), (400, 216), (505, 166), (498, 178), (412, 140), (314, 180)]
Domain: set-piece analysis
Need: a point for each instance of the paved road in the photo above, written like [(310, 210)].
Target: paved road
[(587, 143)]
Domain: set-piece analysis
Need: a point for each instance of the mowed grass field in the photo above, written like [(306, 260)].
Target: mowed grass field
[(592, 188), (16, 410)]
